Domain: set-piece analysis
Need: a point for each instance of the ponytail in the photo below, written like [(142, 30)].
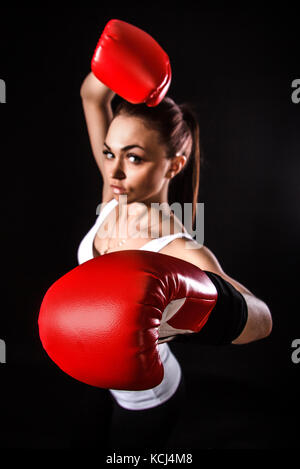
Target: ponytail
[(190, 118)]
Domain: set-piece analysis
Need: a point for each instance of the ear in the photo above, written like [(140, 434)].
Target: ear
[(177, 164)]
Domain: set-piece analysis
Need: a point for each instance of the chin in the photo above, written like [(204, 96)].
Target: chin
[(119, 197)]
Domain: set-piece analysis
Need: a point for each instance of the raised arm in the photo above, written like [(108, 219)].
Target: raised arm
[(131, 64), (96, 102)]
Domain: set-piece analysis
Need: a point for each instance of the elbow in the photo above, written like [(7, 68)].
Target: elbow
[(84, 92), (264, 324), (267, 323), (86, 89), (259, 326)]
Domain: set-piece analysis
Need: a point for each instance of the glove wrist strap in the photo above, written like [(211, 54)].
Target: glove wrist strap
[(226, 321)]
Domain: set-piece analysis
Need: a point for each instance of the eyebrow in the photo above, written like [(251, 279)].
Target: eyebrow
[(128, 147)]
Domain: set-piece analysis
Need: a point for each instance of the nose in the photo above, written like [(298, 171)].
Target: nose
[(117, 171)]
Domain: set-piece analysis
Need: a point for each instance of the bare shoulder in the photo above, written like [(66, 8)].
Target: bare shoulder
[(193, 252), (200, 256)]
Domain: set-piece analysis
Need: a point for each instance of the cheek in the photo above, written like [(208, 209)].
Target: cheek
[(106, 167), (148, 177)]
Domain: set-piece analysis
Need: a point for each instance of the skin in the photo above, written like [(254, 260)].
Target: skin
[(144, 172), (148, 182), (135, 159)]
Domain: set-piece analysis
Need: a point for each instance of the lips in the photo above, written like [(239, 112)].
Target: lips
[(118, 189)]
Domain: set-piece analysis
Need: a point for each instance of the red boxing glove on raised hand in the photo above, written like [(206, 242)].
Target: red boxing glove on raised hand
[(101, 322), (132, 64)]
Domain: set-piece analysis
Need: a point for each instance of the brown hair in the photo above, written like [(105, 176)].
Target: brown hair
[(179, 131)]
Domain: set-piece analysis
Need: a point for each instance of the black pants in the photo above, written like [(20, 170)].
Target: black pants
[(102, 424)]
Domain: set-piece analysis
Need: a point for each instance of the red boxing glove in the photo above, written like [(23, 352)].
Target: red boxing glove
[(132, 64), (100, 323)]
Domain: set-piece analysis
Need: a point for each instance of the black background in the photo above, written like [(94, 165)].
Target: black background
[(236, 66)]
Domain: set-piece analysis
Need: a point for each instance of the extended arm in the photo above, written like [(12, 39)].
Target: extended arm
[(259, 320)]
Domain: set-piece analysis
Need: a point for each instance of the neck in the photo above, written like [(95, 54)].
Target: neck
[(149, 217), (160, 198)]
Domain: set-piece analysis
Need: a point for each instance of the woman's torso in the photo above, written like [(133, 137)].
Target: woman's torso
[(90, 247), (162, 232)]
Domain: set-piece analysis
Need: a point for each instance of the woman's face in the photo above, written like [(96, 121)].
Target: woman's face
[(135, 160)]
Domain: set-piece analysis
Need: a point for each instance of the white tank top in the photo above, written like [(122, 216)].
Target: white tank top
[(139, 400)]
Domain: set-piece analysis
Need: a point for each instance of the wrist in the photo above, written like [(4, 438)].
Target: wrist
[(227, 319), (230, 314), (94, 90)]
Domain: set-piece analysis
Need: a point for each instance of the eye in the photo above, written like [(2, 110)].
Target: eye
[(108, 154), (138, 160)]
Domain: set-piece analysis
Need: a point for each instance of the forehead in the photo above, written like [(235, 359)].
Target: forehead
[(127, 130)]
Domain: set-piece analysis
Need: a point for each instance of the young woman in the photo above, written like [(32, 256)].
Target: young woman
[(141, 152)]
